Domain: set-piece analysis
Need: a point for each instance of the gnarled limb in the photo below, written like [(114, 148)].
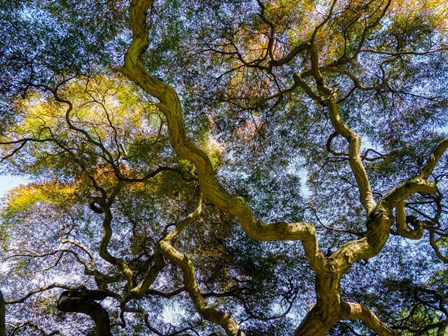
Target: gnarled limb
[(408, 188), (206, 311), (83, 301), (171, 108), (434, 158), (379, 222), (355, 160), (327, 310), (379, 216), (403, 228), (357, 311), (135, 290), (314, 325), (103, 250)]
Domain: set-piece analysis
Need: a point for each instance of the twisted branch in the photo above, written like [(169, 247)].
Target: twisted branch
[(357, 311)]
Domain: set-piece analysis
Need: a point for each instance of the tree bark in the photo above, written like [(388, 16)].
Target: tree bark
[(327, 310), (84, 302), (443, 328), (2, 315), (357, 311)]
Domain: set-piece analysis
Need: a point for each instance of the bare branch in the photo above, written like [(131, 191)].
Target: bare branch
[(21, 144), (43, 289), (23, 326), (435, 247), (404, 52), (84, 301), (330, 149)]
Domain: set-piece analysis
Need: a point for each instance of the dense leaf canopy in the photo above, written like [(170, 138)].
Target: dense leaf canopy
[(224, 167)]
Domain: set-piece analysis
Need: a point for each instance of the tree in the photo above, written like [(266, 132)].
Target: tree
[(239, 167)]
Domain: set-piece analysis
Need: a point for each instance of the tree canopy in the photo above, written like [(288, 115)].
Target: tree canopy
[(255, 167)]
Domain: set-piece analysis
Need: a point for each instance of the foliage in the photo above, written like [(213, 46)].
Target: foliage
[(239, 167)]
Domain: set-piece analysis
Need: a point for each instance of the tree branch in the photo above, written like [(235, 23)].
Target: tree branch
[(206, 311), (435, 156), (436, 249), (357, 311), (43, 289), (403, 228), (29, 324), (213, 192), (83, 301), (150, 276), (355, 160)]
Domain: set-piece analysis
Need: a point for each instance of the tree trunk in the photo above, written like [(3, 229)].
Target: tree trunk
[(2, 315), (327, 310)]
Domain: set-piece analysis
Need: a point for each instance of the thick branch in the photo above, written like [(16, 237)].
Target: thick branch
[(84, 302), (365, 191), (133, 63), (381, 218), (408, 188), (434, 158), (403, 228), (357, 311), (181, 226), (206, 311), (171, 108), (327, 310), (379, 222), (150, 276)]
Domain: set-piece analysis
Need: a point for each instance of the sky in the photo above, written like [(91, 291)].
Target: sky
[(8, 182)]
